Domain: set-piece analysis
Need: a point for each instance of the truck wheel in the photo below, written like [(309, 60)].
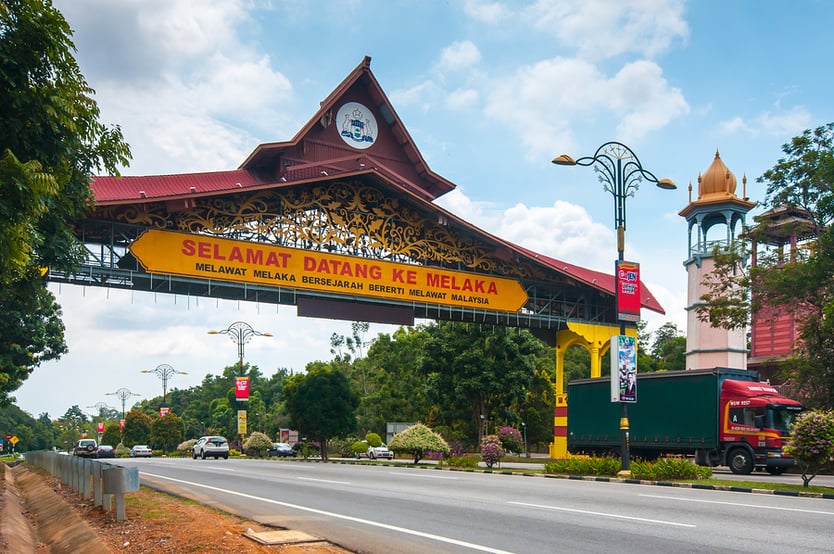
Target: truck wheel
[(740, 461)]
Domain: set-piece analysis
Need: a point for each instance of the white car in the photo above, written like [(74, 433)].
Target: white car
[(380, 451), (141, 451), (212, 446)]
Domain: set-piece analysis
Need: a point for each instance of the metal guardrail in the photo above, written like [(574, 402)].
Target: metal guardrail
[(105, 483)]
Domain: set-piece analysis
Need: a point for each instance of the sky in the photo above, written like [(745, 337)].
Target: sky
[(490, 92)]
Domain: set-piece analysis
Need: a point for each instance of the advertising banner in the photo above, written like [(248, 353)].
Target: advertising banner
[(242, 389), (176, 253), (241, 422), (101, 427), (628, 291), (623, 352), (164, 411)]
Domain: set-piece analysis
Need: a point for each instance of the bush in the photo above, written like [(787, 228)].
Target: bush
[(812, 442), (341, 447), (186, 446), (373, 439), (491, 450), (122, 451), (359, 447), (257, 444), (417, 441), (511, 439), (468, 462), (593, 465), (668, 469)]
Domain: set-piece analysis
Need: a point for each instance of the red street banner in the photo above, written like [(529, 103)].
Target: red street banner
[(242, 389), (101, 427), (122, 424), (164, 411), (628, 291)]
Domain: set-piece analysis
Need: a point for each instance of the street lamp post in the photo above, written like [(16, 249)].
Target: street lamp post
[(620, 172), (526, 451), (240, 332), (123, 394), (164, 372)]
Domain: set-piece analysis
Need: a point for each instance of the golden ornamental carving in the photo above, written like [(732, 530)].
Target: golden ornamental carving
[(342, 217)]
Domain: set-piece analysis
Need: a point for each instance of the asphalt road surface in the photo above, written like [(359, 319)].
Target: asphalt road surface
[(385, 508)]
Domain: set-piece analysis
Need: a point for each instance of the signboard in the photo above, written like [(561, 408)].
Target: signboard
[(164, 411), (241, 422), (623, 352), (206, 257), (121, 425), (101, 427), (628, 291), (242, 389), (14, 440)]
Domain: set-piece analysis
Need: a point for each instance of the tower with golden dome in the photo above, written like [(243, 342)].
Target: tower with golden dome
[(715, 220)]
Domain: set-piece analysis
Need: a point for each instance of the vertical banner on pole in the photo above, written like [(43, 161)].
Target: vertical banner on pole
[(623, 352), (242, 389), (628, 291), (241, 422)]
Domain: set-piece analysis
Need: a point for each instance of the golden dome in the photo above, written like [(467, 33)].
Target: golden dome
[(717, 181)]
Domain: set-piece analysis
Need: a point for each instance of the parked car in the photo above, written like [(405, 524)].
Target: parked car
[(106, 451), (86, 448), (282, 450), (210, 447), (141, 451), (380, 451), (375, 452)]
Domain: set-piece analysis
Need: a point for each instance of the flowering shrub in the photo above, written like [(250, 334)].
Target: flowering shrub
[(257, 444), (456, 448), (491, 450), (511, 439), (417, 441), (812, 442)]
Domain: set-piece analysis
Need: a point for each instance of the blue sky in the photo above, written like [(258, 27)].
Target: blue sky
[(490, 92)]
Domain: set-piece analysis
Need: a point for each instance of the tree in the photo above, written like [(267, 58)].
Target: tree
[(668, 348), (137, 428), (417, 440), (321, 404), (112, 434), (812, 443), (479, 370), (50, 143), (167, 432)]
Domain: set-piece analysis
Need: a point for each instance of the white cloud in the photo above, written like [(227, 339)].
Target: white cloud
[(462, 98), (776, 124), (459, 55), (601, 29), (545, 101), (486, 11)]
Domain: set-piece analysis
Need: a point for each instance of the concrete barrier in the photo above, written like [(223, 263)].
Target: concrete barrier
[(101, 481)]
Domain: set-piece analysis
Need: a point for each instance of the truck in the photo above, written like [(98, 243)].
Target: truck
[(721, 416)]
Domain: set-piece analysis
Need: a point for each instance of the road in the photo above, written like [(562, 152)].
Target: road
[(384, 509)]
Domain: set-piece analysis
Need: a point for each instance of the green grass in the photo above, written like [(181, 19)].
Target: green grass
[(762, 485)]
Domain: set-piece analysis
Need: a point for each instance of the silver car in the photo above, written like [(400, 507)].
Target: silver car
[(211, 446)]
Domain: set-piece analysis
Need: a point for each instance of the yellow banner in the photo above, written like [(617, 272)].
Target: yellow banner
[(241, 422), (246, 262)]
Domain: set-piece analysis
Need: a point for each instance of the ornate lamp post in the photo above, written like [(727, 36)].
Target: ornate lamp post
[(164, 372), (240, 332), (620, 172), (123, 394)]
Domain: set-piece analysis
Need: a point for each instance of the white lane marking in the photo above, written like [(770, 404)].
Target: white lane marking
[(425, 476), (323, 481), (740, 504), (603, 514), (403, 530)]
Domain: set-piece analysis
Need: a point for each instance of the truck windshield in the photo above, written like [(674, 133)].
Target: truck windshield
[(783, 417)]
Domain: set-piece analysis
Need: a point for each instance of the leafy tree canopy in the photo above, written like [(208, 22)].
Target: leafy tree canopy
[(51, 142)]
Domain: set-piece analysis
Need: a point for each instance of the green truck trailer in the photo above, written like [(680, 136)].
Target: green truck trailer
[(721, 416)]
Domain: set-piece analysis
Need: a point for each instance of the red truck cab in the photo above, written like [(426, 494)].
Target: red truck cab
[(756, 422)]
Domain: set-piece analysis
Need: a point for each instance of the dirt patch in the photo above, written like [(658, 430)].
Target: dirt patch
[(160, 523)]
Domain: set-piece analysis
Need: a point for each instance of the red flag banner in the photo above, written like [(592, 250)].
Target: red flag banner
[(628, 291), (242, 389)]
